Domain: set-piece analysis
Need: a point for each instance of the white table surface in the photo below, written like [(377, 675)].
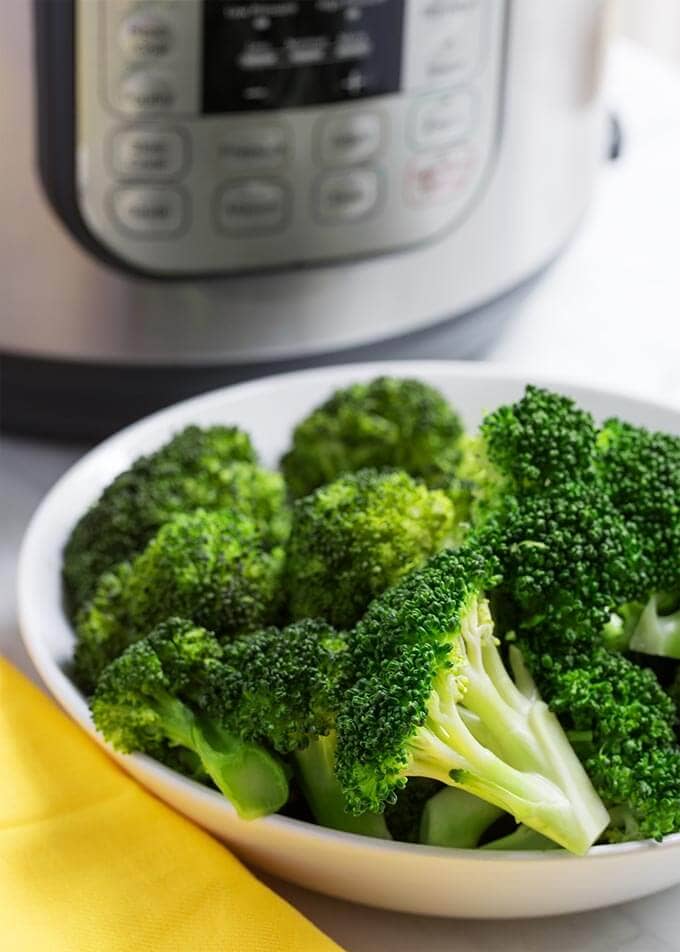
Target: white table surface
[(607, 312)]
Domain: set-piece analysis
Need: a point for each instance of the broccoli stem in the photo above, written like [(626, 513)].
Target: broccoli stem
[(316, 774), (252, 780), (456, 819), (507, 748), (522, 838), (655, 633)]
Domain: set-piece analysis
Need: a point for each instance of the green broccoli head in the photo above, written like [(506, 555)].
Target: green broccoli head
[(542, 440), (281, 686), (435, 700), (212, 567), (622, 725), (150, 699), (354, 538), (387, 423), (210, 469), (641, 469), (567, 558), (538, 443)]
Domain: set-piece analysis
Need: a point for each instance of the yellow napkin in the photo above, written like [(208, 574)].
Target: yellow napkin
[(91, 862)]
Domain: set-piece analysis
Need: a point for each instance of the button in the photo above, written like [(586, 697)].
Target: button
[(441, 120), (149, 212), (145, 35), (438, 178), (146, 92), (456, 52), (257, 205), (148, 153), (349, 139), (347, 196), (258, 146)]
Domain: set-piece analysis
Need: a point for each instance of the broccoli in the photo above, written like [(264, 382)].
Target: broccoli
[(641, 470), (282, 688), (622, 725), (209, 469), (435, 700), (150, 700), (212, 567), (354, 538), (387, 423), (542, 441), (567, 555), (456, 819)]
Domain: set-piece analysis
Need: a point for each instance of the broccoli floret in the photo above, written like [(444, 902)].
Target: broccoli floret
[(567, 555), (641, 470), (456, 819), (354, 538), (542, 441), (403, 817), (387, 423), (282, 688), (622, 724), (435, 700), (150, 699), (209, 469), (212, 567)]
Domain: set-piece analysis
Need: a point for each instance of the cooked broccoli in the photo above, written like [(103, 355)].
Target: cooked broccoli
[(567, 555), (435, 700), (212, 567), (150, 699), (456, 819), (387, 423), (641, 470), (542, 441), (282, 688), (354, 538), (622, 725), (209, 469)]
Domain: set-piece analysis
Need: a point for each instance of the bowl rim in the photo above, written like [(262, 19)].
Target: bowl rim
[(31, 612)]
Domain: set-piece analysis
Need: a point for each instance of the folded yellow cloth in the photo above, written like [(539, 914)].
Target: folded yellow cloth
[(90, 861)]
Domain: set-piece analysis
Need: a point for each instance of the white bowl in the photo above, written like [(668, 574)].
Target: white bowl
[(403, 877)]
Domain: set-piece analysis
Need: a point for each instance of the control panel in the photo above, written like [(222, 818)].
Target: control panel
[(218, 136)]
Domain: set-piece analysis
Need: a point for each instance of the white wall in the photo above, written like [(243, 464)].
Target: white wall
[(655, 23)]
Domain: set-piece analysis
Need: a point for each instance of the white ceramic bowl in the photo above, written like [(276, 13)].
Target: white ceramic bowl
[(398, 876)]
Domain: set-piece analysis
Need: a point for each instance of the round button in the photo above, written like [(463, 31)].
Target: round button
[(254, 206), (148, 153), (442, 119), (146, 92), (345, 197), (350, 139), (256, 146), (435, 179), (145, 35), (149, 212)]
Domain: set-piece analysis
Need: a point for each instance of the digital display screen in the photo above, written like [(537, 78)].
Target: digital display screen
[(270, 55)]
